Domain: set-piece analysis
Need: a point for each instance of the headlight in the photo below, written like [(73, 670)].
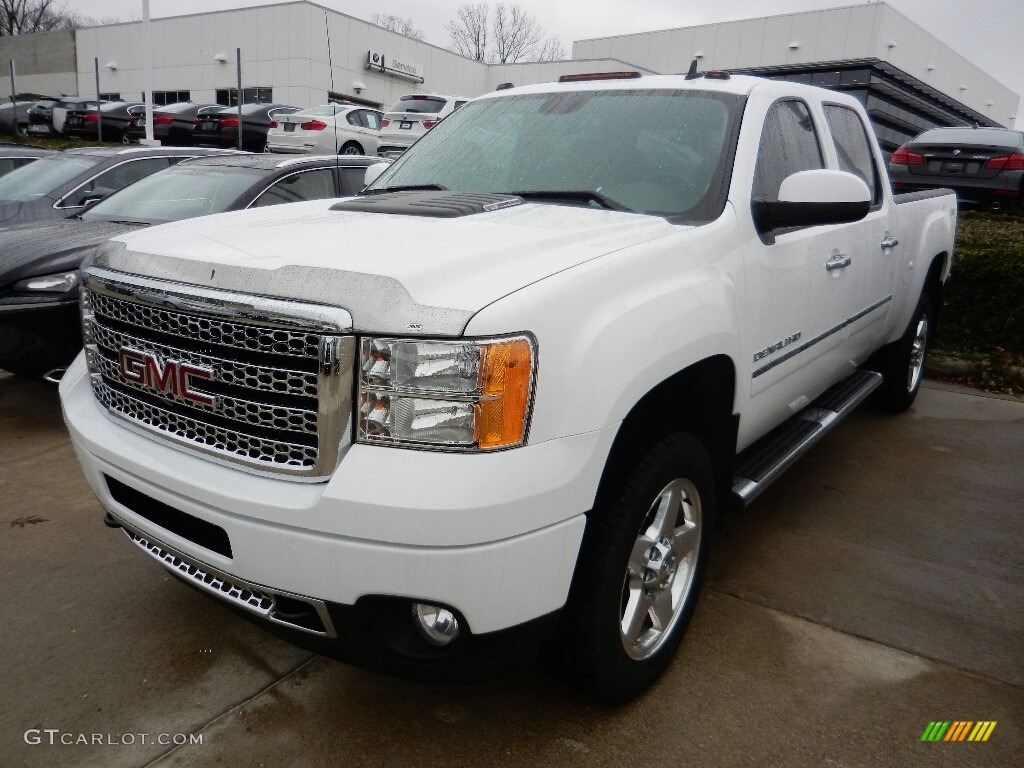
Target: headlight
[(62, 283), (459, 395)]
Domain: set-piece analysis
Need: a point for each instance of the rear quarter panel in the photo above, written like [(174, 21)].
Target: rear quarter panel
[(926, 227)]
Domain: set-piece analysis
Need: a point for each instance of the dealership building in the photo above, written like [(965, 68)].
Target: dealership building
[(301, 53)]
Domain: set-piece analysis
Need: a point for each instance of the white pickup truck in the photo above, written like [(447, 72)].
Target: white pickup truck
[(500, 400)]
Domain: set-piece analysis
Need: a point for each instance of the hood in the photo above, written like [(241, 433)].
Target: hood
[(392, 272), (30, 250)]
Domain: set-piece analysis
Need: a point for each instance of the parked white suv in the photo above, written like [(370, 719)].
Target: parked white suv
[(330, 129), (411, 117)]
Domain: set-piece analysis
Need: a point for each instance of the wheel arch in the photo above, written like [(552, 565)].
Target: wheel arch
[(934, 284), (698, 399)]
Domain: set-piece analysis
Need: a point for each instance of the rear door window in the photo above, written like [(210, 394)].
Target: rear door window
[(852, 147)]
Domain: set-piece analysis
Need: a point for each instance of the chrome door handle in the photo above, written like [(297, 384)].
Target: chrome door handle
[(837, 262), (889, 242)]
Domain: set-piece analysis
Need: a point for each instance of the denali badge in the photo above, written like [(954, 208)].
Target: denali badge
[(171, 376), (773, 348)]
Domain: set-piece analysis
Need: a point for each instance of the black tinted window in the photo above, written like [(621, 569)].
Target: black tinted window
[(118, 177), (352, 180), (789, 144), (852, 146), (308, 185)]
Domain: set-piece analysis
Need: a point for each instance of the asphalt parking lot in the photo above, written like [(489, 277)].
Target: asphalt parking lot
[(875, 588)]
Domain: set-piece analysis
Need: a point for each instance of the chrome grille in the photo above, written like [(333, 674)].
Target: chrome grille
[(229, 371), (205, 329), (234, 377)]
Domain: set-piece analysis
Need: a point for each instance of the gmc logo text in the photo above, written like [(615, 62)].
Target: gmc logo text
[(170, 376)]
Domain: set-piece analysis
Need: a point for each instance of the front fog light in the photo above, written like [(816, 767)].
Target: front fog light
[(437, 625)]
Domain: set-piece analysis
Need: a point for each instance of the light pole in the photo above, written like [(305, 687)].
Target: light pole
[(238, 73), (147, 69)]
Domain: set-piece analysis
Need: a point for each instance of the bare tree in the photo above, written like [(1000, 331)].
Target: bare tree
[(516, 34), (20, 17), (551, 50), (397, 24), (468, 32)]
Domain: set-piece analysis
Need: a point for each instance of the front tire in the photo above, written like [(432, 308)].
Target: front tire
[(902, 362), (350, 148), (640, 570)]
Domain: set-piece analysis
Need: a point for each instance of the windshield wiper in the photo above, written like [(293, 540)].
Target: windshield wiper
[(406, 188), (580, 196)]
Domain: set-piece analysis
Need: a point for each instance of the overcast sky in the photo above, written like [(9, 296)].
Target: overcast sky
[(987, 32)]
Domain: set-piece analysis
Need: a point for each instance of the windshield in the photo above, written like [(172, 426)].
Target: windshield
[(44, 176), (661, 152), (176, 193), (988, 136)]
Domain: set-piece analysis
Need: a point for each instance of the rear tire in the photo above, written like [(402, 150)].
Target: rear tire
[(640, 570), (350, 148), (902, 362)]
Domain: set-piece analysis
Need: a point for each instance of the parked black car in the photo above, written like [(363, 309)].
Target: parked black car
[(40, 117), (62, 183), (984, 166), (14, 156), (39, 318), (82, 123), (59, 112), (172, 123), (220, 128)]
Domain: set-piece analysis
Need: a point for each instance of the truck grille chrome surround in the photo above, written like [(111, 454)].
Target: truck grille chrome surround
[(264, 384), (279, 607)]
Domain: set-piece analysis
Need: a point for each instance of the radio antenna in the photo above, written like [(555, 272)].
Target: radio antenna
[(330, 64)]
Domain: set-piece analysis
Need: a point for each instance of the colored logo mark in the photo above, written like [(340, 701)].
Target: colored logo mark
[(958, 730)]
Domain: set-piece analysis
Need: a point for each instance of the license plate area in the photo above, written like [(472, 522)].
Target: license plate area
[(208, 126), (953, 166), (289, 127), (405, 125)]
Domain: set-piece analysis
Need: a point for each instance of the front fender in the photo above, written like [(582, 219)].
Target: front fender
[(612, 329)]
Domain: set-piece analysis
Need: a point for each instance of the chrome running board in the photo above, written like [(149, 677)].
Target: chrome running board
[(763, 462)]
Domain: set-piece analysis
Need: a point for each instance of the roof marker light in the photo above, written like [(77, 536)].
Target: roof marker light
[(598, 76)]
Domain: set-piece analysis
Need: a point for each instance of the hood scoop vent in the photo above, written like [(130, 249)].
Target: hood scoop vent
[(432, 204)]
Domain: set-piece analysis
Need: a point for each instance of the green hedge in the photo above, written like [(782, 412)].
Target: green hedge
[(983, 306)]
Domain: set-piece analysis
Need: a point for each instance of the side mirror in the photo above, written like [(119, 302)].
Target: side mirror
[(97, 194), (373, 172), (814, 198)]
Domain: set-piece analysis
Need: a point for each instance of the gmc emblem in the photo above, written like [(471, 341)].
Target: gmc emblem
[(171, 376)]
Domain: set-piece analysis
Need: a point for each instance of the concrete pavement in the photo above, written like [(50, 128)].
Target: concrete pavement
[(876, 587)]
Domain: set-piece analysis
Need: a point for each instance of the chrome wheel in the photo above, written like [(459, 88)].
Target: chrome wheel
[(917, 350), (661, 569)]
